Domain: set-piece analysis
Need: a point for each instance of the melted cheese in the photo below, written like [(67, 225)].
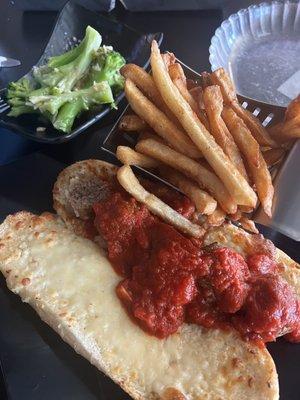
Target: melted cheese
[(72, 286)]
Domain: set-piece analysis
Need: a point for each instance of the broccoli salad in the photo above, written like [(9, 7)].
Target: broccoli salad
[(86, 76)]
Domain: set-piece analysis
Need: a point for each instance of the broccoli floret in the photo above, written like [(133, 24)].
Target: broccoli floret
[(17, 94), (107, 68), (69, 56), (69, 111), (99, 93), (20, 89), (16, 101), (70, 83), (67, 114), (16, 111), (65, 58), (65, 76)]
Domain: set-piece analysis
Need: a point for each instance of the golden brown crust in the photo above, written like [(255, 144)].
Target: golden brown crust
[(90, 170), (60, 275), (244, 243), (173, 394)]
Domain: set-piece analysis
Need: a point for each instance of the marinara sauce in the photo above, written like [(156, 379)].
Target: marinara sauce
[(170, 278)]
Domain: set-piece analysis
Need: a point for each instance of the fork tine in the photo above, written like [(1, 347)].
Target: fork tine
[(4, 108)]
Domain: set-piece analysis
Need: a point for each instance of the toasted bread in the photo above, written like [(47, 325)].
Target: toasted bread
[(77, 188), (100, 171), (69, 282)]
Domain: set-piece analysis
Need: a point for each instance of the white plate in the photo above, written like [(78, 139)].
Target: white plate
[(260, 48)]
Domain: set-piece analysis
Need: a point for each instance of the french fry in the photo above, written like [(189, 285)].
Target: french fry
[(191, 83), (144, 82), (233, 180), (273, 156), (206, 79), (197, 93), (203, 119), (130, 157), (246, 209), (293, 109), (178, 78), (276, 133), (200, 100), (221, 78), (189, 98), (206, 179), (213, 102), (204, 203), (236, 216), (259, 132), (132, 123), (216, 218), (158, 121), (248, 225), (259, 171), (130, 183), (169, 59), (242, 139), (176, 72), (287, 130), (186, 94)]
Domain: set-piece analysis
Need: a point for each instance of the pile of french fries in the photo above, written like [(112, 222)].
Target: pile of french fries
[(197, 136)]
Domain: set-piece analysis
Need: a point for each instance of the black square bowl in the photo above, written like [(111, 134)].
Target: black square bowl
[(71, 23)]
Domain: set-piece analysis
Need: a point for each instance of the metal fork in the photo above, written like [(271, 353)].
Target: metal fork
[(4, 106)]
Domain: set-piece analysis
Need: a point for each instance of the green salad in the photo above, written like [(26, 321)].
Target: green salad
[(70, 83)]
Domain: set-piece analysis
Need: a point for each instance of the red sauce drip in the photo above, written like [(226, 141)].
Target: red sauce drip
[(169, 279), (124, 224)]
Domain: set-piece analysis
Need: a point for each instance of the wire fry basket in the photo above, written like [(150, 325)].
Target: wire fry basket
[(286, 210)]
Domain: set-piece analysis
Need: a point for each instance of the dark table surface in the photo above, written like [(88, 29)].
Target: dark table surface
[(36, 363), (23, 35)]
